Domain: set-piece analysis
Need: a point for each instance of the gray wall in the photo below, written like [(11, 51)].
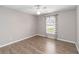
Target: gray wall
[(41, 26), (15, 25), (78, 24), (77, 42), (66, 25)]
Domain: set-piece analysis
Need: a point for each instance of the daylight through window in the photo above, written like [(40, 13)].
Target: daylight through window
[(51, 24)]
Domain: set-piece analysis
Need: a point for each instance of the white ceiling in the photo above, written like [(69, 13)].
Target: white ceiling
[(31, 9)]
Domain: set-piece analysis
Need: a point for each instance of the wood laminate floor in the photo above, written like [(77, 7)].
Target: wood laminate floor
[(39, 45)]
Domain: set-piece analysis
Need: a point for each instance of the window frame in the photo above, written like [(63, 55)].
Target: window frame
[(52, 25)]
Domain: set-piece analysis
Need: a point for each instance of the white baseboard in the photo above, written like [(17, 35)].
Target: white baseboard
[(16, 41), (41, 35), (77, 46), (65, 40), (46, 36), (57, 39)]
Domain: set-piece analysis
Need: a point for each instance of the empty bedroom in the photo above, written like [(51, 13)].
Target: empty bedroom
[(39, 29)]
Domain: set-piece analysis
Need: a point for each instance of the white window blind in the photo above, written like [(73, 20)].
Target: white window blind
[(51, 24)]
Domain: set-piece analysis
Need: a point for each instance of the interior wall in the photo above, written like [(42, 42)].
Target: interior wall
[(15, 25), (77, 42), (66, 25), (41, 26)]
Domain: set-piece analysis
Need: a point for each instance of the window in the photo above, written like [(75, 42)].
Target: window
[(51, 24)]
